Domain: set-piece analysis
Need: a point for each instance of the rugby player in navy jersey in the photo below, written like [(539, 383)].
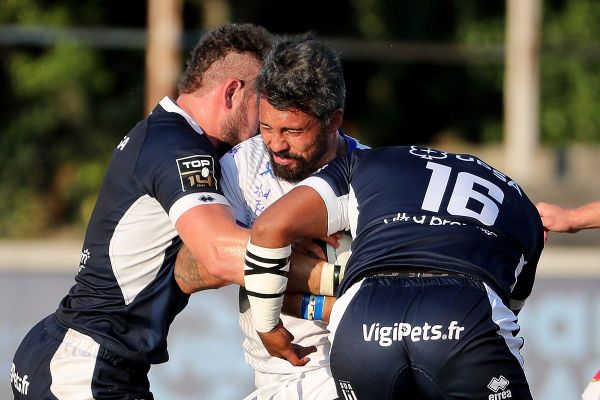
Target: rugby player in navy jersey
[(161, 189), (444, 254)]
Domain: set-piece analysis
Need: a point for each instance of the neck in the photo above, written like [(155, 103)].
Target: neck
[(341, 145), (199, 108), (336, 149)]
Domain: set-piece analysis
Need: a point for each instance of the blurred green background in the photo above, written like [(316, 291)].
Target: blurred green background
[(74, 80), (69, 91)]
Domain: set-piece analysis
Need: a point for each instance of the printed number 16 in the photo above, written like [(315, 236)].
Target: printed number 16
[(461, 194)]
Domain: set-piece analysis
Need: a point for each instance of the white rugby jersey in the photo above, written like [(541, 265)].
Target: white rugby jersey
[(250, 186)]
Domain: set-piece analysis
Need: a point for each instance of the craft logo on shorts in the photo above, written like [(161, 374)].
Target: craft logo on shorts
[(197, 172), (21, 384)]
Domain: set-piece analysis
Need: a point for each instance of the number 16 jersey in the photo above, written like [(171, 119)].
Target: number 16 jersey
[(440, 210)]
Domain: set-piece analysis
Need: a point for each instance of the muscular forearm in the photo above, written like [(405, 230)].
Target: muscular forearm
[(305, 274), (587, 216), (192, 276), (562, 219)]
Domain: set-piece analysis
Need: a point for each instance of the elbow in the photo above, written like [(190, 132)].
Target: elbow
[(260, 230), (215, 269), (270, 232), (185, 287), (224, 270)]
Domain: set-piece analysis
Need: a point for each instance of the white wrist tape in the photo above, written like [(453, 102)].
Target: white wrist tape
[(333, 272), (265, 278), (327, 279)]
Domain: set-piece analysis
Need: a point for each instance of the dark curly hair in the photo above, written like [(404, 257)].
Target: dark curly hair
[(216, 44), (302, 73)]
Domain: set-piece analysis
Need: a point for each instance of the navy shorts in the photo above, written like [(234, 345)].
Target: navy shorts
[(54, 362), (450, 337)]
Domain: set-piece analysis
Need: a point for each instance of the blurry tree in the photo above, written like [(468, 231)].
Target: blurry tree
[(57, 108), (570, 80), (570, 69), (63, 108), (423, 102)]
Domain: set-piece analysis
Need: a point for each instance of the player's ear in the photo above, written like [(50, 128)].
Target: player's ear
[(336, 119), (232, 89)]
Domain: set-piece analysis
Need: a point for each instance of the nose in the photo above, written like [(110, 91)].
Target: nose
[(277, 142)]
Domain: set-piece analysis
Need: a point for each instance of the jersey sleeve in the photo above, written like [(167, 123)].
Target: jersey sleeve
[(332, 183), (179, 173), (524, 284), (231, 186)]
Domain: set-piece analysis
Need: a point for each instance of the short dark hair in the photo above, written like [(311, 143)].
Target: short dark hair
[(304, 74), (216, 44)]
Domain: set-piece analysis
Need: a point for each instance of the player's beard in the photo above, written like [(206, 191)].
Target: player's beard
[(304, 166), (233, 126)]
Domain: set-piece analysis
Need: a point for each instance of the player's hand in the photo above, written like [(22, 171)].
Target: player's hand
[(556, 218), (278, 343)]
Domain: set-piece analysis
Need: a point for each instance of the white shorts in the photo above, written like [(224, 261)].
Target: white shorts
[(316, 384)]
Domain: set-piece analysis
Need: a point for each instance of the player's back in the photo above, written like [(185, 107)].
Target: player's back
[(425, 208)]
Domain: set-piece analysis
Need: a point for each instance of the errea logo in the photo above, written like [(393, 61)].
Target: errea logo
[(498, 386), (206, 198)]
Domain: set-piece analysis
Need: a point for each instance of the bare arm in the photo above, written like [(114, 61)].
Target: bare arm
[(192, 276), (214, 239), (300, 213), (571, 220), (219, 259)]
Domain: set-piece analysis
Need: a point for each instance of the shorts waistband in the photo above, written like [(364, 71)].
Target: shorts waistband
[(81, 341), (413, 273), (71, 337), (85, 342)]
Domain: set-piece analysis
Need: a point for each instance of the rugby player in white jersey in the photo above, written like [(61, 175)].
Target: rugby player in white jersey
[(302, 94), (301, 99)]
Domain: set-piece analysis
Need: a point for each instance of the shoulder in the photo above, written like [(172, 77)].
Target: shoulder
[(249, 155), (172, 130), (352, 143)]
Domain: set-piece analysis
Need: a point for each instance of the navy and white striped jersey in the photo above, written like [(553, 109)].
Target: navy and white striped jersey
[(416, 207), (125, 296)]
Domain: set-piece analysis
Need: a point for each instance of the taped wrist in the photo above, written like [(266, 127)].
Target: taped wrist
[(311, 307), (331, 275), (265, 278)]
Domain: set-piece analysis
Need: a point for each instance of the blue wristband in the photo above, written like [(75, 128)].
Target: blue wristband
[(319, 308), (304, 305), (311, 307)]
